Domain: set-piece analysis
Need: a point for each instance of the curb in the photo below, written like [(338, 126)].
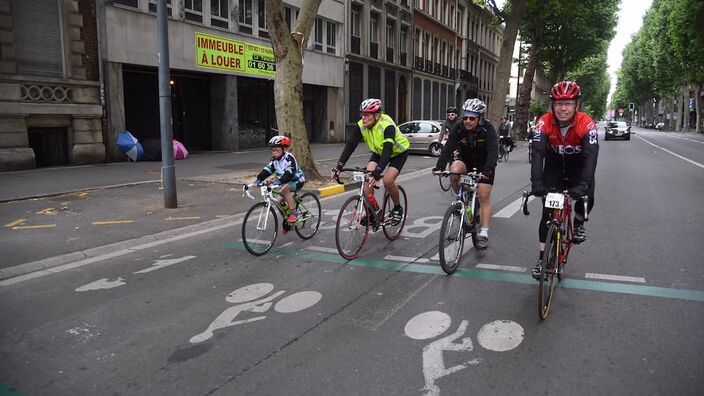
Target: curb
[(333, 190)]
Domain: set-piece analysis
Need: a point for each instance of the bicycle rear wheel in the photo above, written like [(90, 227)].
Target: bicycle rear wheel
[(308, 208), (259, 229), (392, 229), (548, 275), (451, 239), (350, 233)]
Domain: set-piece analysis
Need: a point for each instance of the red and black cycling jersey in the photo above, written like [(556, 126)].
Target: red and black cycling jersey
[(575, 152)]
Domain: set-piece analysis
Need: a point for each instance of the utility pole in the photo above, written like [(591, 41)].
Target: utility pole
[(168, 172)]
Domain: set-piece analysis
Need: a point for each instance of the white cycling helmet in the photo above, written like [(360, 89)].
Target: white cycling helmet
[(473, 106)]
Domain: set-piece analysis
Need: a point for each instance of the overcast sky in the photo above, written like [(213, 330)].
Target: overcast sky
[(630, 19)]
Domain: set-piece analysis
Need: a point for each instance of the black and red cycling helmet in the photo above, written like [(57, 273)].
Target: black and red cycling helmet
[(565, 90)]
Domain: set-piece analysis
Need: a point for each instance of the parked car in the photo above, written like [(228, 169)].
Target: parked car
[(424, 136), (617, 129), (660, 126)]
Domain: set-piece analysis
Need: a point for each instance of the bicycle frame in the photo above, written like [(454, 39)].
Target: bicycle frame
[(471, 198), (361, 175), (269, 195)]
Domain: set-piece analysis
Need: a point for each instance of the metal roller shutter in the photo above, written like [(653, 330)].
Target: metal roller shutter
[(38, 38)]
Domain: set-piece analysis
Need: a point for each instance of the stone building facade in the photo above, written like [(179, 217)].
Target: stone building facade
[(50, 110)]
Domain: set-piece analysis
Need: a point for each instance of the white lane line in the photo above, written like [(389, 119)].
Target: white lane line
[(287, 244), (670, 152), (406, 259), (322, 249), (511, 208), (620, 278), (501, 267)]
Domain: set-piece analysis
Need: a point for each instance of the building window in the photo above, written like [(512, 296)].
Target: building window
[(374, 28), (356, 90), (390, 34), (426, 46), (291, 15), (261, 13), (245, 17), (356, 25), (152, 5), (218, 13), (402, 40), (443, 53), (451, 17), (417, 99), (374, 88), (318, 42), (193, 10), (38, 52), (128, 3), (331, 35)]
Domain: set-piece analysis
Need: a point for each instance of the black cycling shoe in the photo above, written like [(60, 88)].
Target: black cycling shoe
[(537, 270), (580, 234), (397, 215)]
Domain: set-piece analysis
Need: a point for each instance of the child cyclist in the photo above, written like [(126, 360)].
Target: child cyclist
[(290, 176)]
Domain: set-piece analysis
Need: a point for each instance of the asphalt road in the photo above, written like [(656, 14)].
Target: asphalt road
[(198, 315)]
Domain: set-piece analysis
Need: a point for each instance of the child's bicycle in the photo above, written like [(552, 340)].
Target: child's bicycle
[(461, 218), (260, 226), (357, 216), (558, 243)]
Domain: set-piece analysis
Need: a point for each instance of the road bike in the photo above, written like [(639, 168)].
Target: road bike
[(461, 218), (504, 149), (260, 226), (357, 215), (558, 243)]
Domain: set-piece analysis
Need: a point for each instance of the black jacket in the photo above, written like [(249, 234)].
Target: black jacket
[(478, 148)]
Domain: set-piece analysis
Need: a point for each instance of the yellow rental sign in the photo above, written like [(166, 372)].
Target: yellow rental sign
[(218, 53)]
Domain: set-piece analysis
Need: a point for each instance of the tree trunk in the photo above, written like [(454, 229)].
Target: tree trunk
[(523, 99), (503, 70), (289, 49)]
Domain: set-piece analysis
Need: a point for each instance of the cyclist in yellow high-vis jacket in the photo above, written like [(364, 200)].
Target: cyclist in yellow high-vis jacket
[(388, 147)]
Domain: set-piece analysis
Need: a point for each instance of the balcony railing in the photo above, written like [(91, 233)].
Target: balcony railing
[(464, 75), (445, 71), (374, 50), (419, 63), (355, 45), (453, 74), (403, 59), (429, 66), (389, 54), (437, 69)]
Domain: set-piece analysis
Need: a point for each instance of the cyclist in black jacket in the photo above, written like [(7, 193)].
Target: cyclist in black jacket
[(475, 139)]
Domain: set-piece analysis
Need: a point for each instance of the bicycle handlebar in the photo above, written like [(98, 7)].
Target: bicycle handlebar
[(336, 176), (526, 194), (247, 187)]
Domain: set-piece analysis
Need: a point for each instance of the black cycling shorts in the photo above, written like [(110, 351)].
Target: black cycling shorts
[(489, 179), (395, 162)]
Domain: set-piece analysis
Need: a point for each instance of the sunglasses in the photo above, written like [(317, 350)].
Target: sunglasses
[(470, 118)]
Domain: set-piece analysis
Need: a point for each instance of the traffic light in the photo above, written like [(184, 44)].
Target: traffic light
[(631, 107)]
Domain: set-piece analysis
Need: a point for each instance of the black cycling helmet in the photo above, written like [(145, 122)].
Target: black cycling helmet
[(451, 110)]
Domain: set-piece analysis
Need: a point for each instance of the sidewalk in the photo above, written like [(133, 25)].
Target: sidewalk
[(62, 215), (52, 216)]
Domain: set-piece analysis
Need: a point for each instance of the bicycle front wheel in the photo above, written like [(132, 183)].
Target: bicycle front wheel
[(548, 275), (308, 208), (352, 228), (451, 238), (444, 183), (392, 228), (259, 229)]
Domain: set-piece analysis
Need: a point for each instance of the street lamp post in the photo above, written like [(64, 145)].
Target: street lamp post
[(168, 172)]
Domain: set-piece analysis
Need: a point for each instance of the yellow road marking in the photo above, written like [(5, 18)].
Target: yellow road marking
[(34, 226), (113, 222), (46, 211), (16, 222), (182, 218)]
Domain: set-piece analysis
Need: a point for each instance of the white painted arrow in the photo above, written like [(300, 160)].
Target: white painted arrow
[(104, 283), (159, 264)]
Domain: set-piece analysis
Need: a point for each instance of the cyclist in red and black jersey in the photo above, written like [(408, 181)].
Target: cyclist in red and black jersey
[(565, 150)]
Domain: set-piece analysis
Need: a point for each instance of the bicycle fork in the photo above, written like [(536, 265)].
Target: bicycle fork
[(264, 217)]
